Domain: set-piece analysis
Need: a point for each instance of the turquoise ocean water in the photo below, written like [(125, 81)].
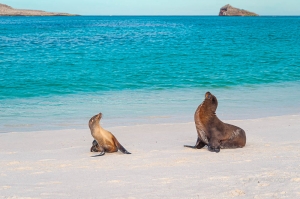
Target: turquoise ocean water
[(57, 72)]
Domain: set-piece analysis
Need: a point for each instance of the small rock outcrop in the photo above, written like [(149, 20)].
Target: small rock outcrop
[(6, 10), (228, 10)]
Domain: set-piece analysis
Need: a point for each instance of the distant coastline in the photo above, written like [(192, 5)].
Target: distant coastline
[(6, 10), (229, 10)]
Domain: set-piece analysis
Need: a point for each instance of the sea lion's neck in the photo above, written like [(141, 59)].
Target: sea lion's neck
[(204, 114), (96, 128), (101, 129)]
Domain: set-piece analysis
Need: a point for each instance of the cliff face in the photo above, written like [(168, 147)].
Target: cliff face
[(6, 10), (228, 10)]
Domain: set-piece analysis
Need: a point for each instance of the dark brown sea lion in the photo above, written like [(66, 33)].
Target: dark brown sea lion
[(104, 141), (212, 131)]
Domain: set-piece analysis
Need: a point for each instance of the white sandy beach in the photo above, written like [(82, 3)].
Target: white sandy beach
[(58, 164)]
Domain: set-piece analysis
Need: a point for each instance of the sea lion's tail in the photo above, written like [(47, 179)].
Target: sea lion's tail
[(120, 147)]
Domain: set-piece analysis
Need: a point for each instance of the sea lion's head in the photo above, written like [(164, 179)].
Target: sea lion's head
[(211, 101), (95, 120)]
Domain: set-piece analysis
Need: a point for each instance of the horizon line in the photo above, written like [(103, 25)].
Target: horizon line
[(191, 15), (92, 15)]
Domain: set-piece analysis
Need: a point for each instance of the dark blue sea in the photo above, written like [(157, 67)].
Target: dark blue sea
[(57, 72)]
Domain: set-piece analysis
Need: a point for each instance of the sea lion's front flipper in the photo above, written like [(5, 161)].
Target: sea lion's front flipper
[(217, 150), (100, 154), (199, 144), (95, 147), (101, 150), (214, 145)]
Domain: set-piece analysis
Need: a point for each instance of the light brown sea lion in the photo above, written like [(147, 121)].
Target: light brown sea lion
[(212, 131), (104, 141)]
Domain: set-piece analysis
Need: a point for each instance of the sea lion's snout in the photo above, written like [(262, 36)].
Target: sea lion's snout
[(207, 95), (95, 118)]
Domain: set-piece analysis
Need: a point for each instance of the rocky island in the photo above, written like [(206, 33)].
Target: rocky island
[(228, 10), (6, 10)]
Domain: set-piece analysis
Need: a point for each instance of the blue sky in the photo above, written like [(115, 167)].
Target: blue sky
[(157, 7)]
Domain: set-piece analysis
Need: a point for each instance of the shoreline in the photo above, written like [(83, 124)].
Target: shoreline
[(145, 107), (51, 164), (111, 125)]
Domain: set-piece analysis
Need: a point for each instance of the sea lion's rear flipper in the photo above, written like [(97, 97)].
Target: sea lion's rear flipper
[(237, 139), (199, 144), (120, 147)]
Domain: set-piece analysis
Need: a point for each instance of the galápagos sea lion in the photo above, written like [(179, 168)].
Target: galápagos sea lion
[(104, 141), (212, 131)]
